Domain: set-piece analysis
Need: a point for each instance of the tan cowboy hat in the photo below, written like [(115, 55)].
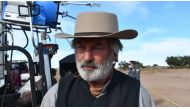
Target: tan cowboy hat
[(98, 25)]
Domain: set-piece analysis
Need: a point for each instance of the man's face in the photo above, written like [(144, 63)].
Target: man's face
[(94, 58), (131, 65)]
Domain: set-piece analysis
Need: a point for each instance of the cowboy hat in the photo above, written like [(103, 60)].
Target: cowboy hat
[(98, 25)]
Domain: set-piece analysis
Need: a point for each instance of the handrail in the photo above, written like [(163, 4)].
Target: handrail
[(31, 69)]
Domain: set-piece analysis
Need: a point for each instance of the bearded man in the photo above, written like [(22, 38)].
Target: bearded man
[(96, 44)]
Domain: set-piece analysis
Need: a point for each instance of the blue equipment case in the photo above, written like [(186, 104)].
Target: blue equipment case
[(47, 13)]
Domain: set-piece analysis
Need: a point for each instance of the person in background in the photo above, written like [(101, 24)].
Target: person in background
[(67, 66), (54, 76), (134, 70), (96, 44)]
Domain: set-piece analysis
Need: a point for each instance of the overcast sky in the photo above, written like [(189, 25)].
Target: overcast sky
[(163, 29)]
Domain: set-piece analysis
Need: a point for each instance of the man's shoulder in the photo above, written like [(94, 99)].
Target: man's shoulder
[(50, 97), (124, 76), (145, 99), (70, 77), (68, 80), (124, 80)]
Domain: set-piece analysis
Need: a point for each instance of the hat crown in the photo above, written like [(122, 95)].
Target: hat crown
[(96, 22), (98, 25)]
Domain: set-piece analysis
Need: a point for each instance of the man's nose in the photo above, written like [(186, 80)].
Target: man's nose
[(88, 56)]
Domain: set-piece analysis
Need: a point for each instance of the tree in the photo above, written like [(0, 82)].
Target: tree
[(182, 61), (155, 65), (173, 61), (186, 61), (139, 63), (123, 65)]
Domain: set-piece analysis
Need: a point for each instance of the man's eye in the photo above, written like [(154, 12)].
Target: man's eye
[(98, 48), (79, 48)]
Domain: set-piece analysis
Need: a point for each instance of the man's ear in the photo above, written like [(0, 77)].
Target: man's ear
[(115, 57)]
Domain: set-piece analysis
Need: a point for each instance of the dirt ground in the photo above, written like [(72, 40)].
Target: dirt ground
[(169, 87)]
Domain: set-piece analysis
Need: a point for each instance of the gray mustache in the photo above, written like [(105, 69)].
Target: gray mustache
[(88, 64)]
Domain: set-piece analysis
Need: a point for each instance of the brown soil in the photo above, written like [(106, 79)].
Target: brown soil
[(169, 87)]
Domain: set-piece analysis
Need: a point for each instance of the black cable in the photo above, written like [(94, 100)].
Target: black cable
[(6, 26), (10, 34), (13, 38), (26, 39), (8, 71), (8, 75)]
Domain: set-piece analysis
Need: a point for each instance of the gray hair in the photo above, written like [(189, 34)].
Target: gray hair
[(114, 43)]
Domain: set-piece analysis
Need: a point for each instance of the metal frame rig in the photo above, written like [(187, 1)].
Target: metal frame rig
[(44, 51)]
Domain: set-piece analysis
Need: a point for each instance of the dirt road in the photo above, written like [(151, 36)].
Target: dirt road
[(169, 87)]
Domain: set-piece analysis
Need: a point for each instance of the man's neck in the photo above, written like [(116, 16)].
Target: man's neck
[(98, 84), (96, 87)]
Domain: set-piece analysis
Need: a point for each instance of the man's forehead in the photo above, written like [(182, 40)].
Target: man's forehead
[(91, 40)]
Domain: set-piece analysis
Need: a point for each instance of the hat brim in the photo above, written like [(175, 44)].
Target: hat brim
[(125, 34)]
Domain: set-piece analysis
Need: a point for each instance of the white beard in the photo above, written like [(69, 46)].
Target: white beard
[(101, 72)]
